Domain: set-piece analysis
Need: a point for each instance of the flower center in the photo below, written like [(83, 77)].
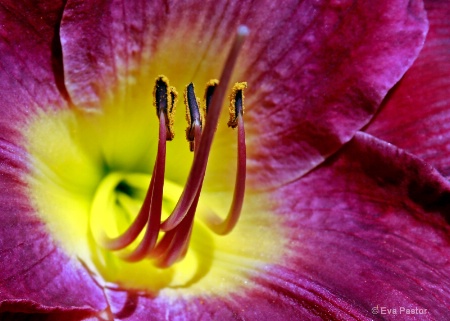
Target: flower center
[(89, 174), (166, 242)]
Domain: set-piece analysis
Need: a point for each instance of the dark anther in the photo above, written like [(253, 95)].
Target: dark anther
[(161, 97), (165, 98), (238, 106), (193, 112), (236, 103)]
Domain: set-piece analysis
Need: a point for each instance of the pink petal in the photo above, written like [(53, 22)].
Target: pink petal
[(31, 66), (103, 41), (35, 275), (416, 114), (370, 227), (319, 76), (316, 71)]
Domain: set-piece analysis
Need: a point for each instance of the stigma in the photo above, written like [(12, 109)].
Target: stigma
[(166, 242)]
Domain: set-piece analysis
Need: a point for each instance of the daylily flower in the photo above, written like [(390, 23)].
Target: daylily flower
[(337, 223)]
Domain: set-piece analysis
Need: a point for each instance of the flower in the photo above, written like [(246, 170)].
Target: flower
[(337, 224)]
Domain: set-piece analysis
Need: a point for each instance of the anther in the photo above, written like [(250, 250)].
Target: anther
[(236, 108), (193, 115), (165, 98)]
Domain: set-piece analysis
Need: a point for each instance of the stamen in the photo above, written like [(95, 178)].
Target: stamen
[(212, 220), (198, 168), (150, 211), (193, 115)]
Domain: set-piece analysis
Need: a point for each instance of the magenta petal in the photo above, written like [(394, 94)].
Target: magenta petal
[(416, 114), (371, 226), (103, 41), (318, 73), (34, 273), (30, 64)]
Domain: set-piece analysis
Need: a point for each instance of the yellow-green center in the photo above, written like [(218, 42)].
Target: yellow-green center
[(76, 164), (89, 172)]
